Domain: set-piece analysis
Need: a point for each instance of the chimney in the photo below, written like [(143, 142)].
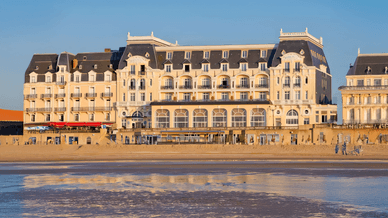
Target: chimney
[(75, 63), (107, 50)]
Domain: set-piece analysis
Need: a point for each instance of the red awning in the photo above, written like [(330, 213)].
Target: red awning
[(75, 124)]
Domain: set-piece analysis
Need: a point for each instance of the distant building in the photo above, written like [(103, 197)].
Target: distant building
[(11, 122), (365, 96), (152, 83)]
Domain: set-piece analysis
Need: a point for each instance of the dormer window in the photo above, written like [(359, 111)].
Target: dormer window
[(48, 79), (168, 68), (36, 67), (110, 66), (84, 58), (147, 55), (80, 67), (224, 67), (225, 54), (33, 79), (187, 67), (386, 70), (95, 66), (263, 66), (244, 54), (244, 67), (129, 55), (368, 70), (169, 55), (206, 55), (287, 66), (205, 68), (188, 55), (62, 69), (264, 53)]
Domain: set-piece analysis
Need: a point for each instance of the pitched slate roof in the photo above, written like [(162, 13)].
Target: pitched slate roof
[(41, 64), (376, 63), (11, 115)]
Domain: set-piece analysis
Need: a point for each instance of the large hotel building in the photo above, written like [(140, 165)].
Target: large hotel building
[(152, 83), (365, 96)]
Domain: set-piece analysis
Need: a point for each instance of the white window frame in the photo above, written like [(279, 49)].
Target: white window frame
[(206, 54), (225, 54), (243, 66), (168, 68), (205, 67), (200, 118), (263, 66), (244, 54), (169, 55), (263, 53), (188, 55), (224, 67)]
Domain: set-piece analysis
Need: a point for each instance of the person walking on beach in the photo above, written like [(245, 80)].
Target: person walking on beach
[(344, 149)]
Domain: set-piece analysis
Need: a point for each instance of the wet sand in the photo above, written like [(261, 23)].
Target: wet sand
[(37, 153)]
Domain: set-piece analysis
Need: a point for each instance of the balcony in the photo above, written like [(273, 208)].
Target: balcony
[(59, 109), (91, 95), (205, 87), (31, 96), (186, 87), (46, 95), (31, 110), (132, 87), (142, 72), (61, 95), (61, 83), (296, 85), (297, 69), (245, 86), (166, 87), (80, 109), (287, 85), (45, 109), (364, 88), (141, 87), (76, 95), (102, 108), (106, 95), (261, 85), (224, 86)]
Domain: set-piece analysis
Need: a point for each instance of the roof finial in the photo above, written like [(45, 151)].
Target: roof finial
[(152, 33), (176, 42), (128, 35), (321, 40), (306, 29), (281, 31), (359, 51)]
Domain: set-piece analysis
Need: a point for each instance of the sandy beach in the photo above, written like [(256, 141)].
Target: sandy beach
[(34, 153)]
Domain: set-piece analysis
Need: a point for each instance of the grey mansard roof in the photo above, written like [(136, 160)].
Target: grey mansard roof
[(376, 63), (41, 64), (296, 46)]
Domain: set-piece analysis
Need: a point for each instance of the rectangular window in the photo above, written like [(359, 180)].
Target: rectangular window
[(224, 67), (33, 118), (324, 118), (368, 82), (187, 96), (123, 96), (225, 96), (150, 96), (205, 96), (76, 117), (188, 55), (48, 79), (168, 96), (263, 96), (278, 80), (91, 117), (244, 54), (60, 117), (77, 78), (133, 97), (206, 55), (243, 95), (263, 66), (225, 54), (297, 95), (278, 95), (132, 71), (306, 121), (47, 117), (244, 67), (287, 66), (168, 68), (317, 118), (187, 68), (360, 82), (297, 66), (169, 55), (377, 82), (306, 95), (263, 53), (287, 95), (107, 117), (33, 79), (142, 96), (206, 67)]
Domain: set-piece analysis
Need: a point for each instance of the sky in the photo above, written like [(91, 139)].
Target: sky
[(40, 26)]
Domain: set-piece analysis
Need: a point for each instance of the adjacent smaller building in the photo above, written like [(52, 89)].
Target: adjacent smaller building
[(365, 96), (11, 122)]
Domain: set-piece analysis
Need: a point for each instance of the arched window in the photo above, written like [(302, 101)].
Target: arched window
[(292, 117), (287, 80), (258, 117), (181, 118), (88, 140), (200, 118), (219, 118), (132, 85), (142, 83), (263, 81), (206, 82), (162, 118), (297, 80), (239, 117), (244, 82), (137, 114), (187, 82)]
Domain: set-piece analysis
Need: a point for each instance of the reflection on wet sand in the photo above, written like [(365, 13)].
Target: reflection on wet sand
[(227, 182)]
